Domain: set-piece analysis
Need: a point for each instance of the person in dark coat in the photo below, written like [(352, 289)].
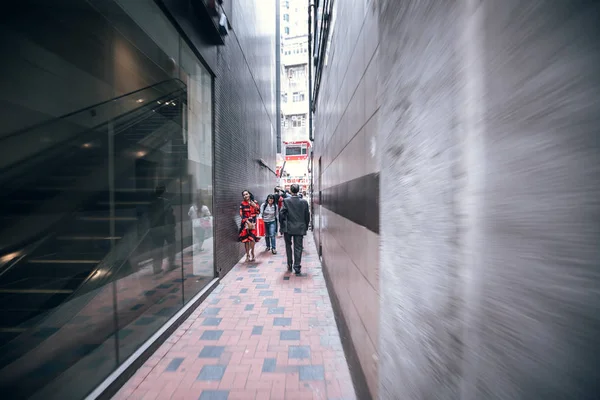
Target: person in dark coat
[(294, 218), (162, 229)]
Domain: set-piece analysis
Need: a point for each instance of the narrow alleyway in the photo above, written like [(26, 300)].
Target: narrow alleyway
[(262, 334)]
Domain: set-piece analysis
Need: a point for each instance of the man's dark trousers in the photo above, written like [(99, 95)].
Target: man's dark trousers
[(295, 218), (296, 260)]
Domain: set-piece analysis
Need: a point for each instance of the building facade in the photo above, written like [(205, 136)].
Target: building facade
[(457, 166), (130, 130), (346, 176), (294, 18), (294, 94)]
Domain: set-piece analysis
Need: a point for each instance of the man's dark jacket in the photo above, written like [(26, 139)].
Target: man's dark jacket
[(294, 216)]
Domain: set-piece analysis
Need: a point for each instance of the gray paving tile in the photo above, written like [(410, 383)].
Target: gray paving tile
[(262, 286), (269, 365), (270, 302), (266, 293), (214, 395), (259, 280), (257, 330), (245, 290), (289, 335), (211, 335), (276, 310), (211, 321), (281, 321), (211, 373), (300, 352), (211, 311), (249, 307), (297, 290), (311, 373), (174, 364), (211, 352)]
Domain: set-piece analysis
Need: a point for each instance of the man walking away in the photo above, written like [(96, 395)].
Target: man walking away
[(294, 218)]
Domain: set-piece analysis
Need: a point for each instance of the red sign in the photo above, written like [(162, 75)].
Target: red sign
[(297, 158)]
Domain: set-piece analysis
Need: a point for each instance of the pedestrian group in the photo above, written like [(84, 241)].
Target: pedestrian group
[(283, 209)]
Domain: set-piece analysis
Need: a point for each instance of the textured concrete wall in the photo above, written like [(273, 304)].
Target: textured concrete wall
[(490, 221), (345, 130)]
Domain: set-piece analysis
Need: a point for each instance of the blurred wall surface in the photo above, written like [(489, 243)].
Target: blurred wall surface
[(346, 176), (490, 230), (456, 174)]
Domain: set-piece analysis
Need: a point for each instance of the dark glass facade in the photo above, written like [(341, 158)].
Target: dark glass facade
[(103, 104)]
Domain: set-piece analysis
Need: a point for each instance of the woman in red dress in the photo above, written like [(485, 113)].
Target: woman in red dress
[(249, 209)]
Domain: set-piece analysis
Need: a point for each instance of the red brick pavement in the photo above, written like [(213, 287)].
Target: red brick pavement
[(262, 334)]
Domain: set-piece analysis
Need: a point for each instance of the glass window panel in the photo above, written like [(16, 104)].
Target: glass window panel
[(198, 226), (126, 253), (293, 150)]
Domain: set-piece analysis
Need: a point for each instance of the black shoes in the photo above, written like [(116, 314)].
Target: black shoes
[(268, 249), (295, 269)]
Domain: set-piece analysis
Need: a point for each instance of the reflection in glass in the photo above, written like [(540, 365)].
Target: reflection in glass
[(98, 260), (82, 344), (150, 294), (198, 253)]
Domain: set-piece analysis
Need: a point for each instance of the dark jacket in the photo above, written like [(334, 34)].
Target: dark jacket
[(294, 216), (161, 213)]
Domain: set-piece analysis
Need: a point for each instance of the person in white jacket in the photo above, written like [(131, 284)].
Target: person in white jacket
[(270, 213), (200, 216)]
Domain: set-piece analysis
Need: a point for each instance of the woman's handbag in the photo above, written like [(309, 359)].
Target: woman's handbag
[(206, 222), (260, 227)]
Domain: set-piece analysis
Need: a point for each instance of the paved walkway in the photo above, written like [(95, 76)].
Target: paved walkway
[(263, 333)]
